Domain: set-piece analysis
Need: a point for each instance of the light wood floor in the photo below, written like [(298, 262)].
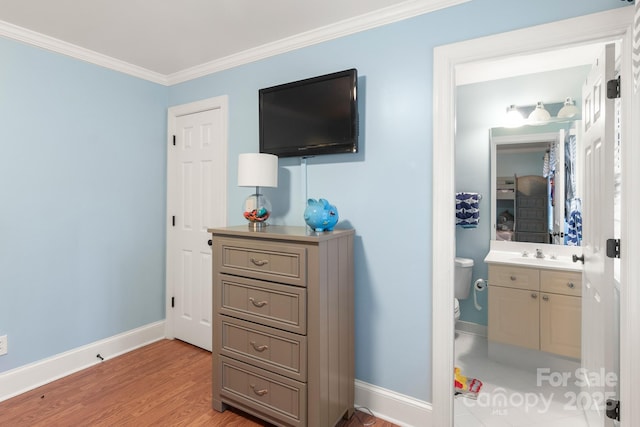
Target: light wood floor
[(167, 383)]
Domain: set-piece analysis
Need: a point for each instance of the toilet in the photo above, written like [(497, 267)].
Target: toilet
[(462, 282)]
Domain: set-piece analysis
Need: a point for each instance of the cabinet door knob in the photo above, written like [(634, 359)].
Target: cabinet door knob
[(260, 392), (210, 242), (545, 297), (257, 347), (512, 277), (257, 303), (534, 295), (576, 258), (571, 285)]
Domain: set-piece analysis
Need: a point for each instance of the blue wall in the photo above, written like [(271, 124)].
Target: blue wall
[(82, 189), (83, 239)]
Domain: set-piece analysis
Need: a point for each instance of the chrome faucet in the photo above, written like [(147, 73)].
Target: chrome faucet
[(539, 253)]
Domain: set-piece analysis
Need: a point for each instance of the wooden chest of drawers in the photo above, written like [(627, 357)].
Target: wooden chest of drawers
[(283, 324)]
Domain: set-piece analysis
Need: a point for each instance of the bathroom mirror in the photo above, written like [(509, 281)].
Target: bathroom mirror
[(535, 189)]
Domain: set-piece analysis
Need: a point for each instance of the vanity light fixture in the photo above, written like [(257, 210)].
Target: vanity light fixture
[(568, 110), (257, 170), (539, 115), (514, 118)]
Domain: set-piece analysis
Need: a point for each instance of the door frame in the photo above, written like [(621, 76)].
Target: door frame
[(218, 102), (599, 27)]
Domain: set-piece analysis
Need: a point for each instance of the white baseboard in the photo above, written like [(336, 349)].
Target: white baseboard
[(28, 377), (394, 407), (471, 328)]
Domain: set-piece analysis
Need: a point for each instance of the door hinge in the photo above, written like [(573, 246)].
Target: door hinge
[(173, 220), (613, 248), (174, 140), (613, 88), (613, 409), (173, 302)]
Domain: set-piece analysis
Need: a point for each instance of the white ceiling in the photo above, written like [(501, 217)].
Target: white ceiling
[(167, 37), (169, 41)]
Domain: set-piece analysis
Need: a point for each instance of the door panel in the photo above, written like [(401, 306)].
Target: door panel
[(560, 320), (197, 177), (514, 317), (598, 327)]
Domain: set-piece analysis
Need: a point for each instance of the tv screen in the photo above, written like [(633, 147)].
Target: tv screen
[(310, 117)]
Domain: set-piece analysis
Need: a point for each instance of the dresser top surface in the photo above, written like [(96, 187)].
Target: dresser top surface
[(302, 234)]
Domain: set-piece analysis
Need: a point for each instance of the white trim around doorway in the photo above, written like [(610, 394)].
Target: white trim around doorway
[(599, 27)]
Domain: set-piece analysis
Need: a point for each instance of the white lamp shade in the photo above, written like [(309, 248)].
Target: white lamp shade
[(569, 109), (257, 170), (539, 114)]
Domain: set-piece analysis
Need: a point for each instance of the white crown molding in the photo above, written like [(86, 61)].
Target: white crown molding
[(55, 45), (404, 10), (364, 22), (370, 20)]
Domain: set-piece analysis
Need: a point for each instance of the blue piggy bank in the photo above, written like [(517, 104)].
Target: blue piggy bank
[(320, 215)]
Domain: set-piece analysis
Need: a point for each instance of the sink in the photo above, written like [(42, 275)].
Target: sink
[(543, 262), (516, 259)]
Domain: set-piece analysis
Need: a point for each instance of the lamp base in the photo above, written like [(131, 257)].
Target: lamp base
[(257, 226), (257, 210)]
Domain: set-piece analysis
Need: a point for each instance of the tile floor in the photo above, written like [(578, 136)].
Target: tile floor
[(510, 397)]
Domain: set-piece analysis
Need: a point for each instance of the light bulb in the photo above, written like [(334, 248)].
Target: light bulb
[(513, 118)]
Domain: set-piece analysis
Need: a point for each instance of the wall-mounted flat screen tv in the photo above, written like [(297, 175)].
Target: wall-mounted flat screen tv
[(310, 117)]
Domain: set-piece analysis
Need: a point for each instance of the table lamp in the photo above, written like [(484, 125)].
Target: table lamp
[(257, 170)]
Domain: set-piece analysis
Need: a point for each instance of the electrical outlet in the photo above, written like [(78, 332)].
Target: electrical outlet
[(3, 345)]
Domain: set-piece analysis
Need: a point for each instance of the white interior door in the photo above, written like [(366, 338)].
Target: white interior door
[(599, 344), (196, 201)]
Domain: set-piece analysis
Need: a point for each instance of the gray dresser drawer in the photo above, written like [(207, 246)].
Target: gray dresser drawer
[(271, 304), (277, 397), (268, 348), (284, 263)]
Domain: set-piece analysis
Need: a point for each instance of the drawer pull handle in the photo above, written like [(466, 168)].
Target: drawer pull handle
[(257, 347), (259, 392), (257, 303), (259, 262), (512, 277), (571, 285)]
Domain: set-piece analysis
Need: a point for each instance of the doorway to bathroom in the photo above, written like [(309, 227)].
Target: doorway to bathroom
[(448, 61), (532, 328)]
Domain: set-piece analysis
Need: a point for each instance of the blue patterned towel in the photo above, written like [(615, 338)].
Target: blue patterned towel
[(467, 209), (574, 232)]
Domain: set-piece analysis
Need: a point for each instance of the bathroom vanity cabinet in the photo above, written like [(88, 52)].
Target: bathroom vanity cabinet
[(535, 308), (283, 333)]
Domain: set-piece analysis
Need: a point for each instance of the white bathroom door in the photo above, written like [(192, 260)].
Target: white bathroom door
[(599, 342), (196, 201)]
